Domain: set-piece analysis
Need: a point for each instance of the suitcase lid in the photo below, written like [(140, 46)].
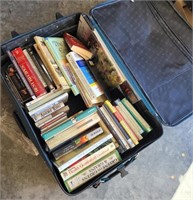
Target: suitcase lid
[(157, 66)]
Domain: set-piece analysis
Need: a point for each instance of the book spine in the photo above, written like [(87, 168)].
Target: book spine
[(73, 131), (92, 171), (47, 111), (144, 125), (129, 124), (122, 122), (129, 118), (34, 67), (43, 72), (71, 171), (51, 116), (21, 74), (69, 123), (56, 122), (77, 143), (84, 153), (18, 83), (119, 138), (13, 88), (28, 72)]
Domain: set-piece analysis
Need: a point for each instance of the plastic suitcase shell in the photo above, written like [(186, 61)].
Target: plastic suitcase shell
[(56, 28)]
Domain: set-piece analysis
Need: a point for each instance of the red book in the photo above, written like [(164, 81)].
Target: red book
[(77, 46), (28, 72)]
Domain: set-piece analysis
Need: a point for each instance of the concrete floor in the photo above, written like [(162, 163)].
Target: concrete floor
[(154, 175)]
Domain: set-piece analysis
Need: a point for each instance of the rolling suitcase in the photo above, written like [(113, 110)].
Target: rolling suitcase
[(151, 51)]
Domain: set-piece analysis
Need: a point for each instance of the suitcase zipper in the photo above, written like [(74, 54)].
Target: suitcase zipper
[(178, 42)]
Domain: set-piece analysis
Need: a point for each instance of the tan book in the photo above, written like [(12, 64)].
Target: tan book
[(50, 63), (73, 131)]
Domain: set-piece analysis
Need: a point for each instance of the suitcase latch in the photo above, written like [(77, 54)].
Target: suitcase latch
[(122, 170)]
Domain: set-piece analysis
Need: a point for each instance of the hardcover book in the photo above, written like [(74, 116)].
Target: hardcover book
[(28, 72)]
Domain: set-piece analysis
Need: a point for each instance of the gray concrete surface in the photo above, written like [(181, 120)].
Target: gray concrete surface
[(154, 175)]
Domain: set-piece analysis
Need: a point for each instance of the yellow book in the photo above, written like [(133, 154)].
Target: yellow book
[(121, 121), (50, 64)]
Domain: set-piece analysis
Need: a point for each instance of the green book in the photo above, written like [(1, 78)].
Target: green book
[(68, 123), (92, 171), (58, 48), (144, 125)]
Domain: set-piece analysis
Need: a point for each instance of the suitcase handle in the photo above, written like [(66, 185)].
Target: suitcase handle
[(19, 123), (120, 169)]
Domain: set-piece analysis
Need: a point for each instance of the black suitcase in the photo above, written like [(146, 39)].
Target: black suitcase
[(152, 52)]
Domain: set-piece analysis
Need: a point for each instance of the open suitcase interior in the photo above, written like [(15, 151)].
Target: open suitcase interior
[(141, 46)]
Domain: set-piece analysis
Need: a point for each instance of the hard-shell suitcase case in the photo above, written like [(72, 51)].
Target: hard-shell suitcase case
[(150, 50)]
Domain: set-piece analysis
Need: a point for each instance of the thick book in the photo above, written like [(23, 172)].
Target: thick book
[(79, 141), (69, 123), (145, 126), (90, 172), (73, 131), (50, 64), (59, 49), (18, 84), (77, 154), (77, 46), (28, 72), (21, 75), (36, 112), (88, 160)]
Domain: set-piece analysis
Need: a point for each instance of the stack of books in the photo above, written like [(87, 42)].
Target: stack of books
[(45, 74)]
